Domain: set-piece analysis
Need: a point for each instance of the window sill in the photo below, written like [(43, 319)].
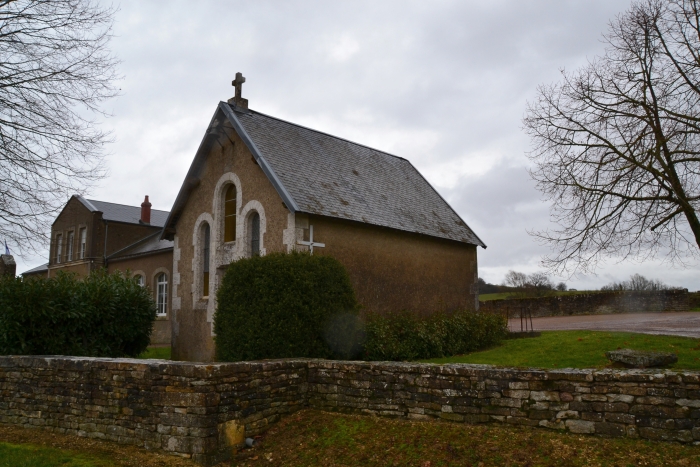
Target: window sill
[(162, 317)]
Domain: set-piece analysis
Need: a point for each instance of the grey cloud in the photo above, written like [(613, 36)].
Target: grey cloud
[(443, 84)]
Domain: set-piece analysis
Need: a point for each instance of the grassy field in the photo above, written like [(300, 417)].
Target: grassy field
[(579, 349), (13, 455), (162, 353), (505, 295), (20, 447)]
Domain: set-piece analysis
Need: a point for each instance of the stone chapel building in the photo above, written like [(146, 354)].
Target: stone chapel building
[(259, 184)]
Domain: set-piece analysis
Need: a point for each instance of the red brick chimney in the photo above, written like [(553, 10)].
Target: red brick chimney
[(146, 211)]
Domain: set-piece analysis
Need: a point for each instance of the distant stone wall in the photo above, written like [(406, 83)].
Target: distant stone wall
[(694, 300), (200, 410), (592, 303)]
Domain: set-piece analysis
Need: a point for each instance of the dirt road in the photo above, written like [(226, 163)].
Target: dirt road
[(670, 324)]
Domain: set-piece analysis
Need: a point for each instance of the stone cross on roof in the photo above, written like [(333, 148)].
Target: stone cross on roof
[(238, 100)]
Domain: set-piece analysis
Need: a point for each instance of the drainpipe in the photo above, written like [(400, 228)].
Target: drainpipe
[(105, 252)]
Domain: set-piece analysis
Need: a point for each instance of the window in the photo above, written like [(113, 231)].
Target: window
[(255, 234), (139, 280), (162, 290), (205, 261), (230, 214), (83, 243), (59, 247), (69, 246)]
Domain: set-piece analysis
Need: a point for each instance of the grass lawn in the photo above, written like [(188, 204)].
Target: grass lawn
[(311, 438), (579, 349), (21, 447), (505, 295), (23, 455), (161, 353)]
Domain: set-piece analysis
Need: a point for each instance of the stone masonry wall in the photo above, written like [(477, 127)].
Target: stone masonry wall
[(591, 303), (200, 410), (191, 410)]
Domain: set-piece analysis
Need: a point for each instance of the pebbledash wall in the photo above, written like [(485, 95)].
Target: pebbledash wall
[(201, 410), (592, 303)]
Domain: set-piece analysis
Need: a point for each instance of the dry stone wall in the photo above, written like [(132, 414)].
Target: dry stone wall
[(591, 303), (202, 410)]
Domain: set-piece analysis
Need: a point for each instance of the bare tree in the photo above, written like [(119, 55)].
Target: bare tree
[(536, 284), (637, 282), (55, 70), (616, 144)]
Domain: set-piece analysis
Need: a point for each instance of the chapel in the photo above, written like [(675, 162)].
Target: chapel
[(259, 184)]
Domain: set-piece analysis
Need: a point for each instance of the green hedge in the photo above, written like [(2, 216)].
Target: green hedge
[(103, 315), (405, 336), (286, 305)]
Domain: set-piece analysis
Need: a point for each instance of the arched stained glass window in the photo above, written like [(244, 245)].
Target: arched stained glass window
[(230, 214), (205, 260)]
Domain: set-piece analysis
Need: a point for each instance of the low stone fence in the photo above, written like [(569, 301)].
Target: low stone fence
[(694, 300), (591, 303), (200, 410)]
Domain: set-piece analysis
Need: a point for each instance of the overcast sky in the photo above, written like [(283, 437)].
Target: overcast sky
[(443, 84)]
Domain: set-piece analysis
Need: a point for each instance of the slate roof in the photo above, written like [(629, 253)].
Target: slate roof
[(318, 173), (147, 245), (37, 270), (334, 177), (122, 213)]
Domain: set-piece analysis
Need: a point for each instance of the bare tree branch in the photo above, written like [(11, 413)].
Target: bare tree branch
[(616, 144), (55, 71)]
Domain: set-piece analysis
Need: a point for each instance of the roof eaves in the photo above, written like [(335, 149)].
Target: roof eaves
[(481, 242), (134, 244), (143, 253), (190, 182), (87, 203), (266, 168)]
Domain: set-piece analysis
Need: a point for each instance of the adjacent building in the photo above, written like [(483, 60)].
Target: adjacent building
[(88, 235)]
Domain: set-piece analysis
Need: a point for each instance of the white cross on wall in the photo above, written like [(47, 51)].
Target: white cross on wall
[(311, 244)]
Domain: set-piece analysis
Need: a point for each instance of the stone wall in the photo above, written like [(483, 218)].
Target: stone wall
[(591, 303), (190, 410), (200, 410), (694, 300)]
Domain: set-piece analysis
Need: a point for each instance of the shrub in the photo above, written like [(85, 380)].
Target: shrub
[(283, 306), (103, 315), (405, 336)]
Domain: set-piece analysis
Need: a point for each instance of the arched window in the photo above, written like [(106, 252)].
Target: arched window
[(255, 234), (139, 280), (230, 214), (162, 294), (205, 260)]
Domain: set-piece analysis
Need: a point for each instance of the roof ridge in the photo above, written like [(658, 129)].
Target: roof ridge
[(323, 133), (120, 204)]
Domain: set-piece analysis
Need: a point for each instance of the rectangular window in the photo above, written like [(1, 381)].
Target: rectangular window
[(83, 242), (59, 247), (162, 294), (69, 246)]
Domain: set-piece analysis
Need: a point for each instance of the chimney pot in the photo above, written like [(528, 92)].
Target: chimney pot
[(146, 211)]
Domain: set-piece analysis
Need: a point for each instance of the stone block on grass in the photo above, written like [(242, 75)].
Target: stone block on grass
[(641, 359)]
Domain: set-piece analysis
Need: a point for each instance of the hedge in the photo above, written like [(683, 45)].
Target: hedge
[(406, 336), (283, 306), (102, 315)]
